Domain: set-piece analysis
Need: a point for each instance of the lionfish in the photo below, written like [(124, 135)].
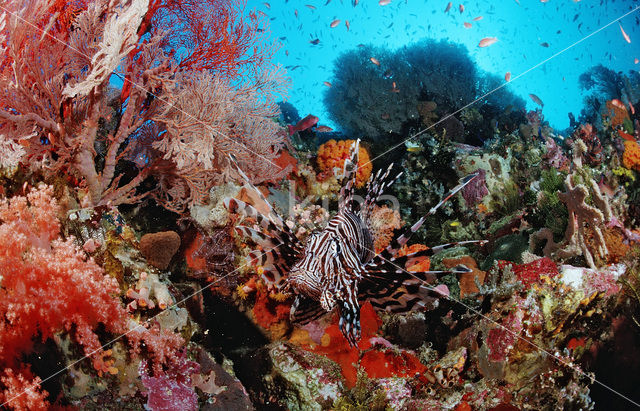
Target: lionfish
[(337, 267)]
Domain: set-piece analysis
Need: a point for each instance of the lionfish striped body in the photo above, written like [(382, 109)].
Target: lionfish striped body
[(337, 266)]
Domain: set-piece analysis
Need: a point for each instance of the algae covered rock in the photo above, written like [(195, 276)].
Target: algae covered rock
[(301, 380)]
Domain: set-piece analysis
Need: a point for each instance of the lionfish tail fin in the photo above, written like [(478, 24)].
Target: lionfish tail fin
[(395, 245)]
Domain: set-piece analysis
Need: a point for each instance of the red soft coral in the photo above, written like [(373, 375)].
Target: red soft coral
[(47, 286)]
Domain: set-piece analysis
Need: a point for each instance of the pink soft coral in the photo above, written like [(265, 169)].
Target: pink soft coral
[(48, 285)]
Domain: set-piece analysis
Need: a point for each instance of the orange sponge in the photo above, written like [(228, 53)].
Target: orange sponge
[(631, 156), (332, 154)]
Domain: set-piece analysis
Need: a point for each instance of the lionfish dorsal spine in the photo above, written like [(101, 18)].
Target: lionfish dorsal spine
[(395, 245), (350, 172)]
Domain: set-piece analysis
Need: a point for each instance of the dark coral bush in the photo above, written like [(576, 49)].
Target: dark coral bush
[(417, 86)]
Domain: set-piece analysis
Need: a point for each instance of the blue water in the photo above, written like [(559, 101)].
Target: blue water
[(520, 29)]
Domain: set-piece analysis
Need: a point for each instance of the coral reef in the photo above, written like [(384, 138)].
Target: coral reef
[(130, 279)]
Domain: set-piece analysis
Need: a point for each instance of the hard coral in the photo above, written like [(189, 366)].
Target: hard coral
[(617, 114), (332, 155)]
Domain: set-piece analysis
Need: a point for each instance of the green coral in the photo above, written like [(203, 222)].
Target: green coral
[(366, 395), (550, 211)]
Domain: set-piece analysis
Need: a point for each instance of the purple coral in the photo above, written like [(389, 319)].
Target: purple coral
[(502, 339), (554, 156), (475, 191), (171, 390)]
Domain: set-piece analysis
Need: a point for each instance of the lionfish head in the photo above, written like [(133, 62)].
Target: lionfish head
[(319, 262)]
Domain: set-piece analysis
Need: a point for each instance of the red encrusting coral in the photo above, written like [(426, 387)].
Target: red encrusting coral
[(267, 311), (530, 273), (376, 360)]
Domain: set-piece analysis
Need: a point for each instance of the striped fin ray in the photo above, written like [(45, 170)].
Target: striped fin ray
[(388, 286), (273, 216), (395, 245), (350, 169), (276, 267), (385, 254), (284, 234), (375, 188), (304, 310), (268, 242)]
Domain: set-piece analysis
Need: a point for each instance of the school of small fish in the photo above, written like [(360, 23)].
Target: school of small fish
[(483, 23)]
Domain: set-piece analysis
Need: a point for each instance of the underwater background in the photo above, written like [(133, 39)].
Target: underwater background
[(320, 204)]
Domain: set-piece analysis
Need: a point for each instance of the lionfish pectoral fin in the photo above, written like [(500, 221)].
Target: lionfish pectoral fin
[(442, 247), (304, 310), (409, 298), (349, 321)]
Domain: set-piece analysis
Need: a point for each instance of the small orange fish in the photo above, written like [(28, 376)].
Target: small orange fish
[(487, 41), (375, 61), (323, 129), (312, 7), (384, 2), (625, 35), (635, 61), (536, 100), (633, 110), (346, 23), (477, 18), (461, 8), (334, 23), (394, 88), (467, 25), (626, 136), (448, 7), (619, 104), (507, 76), (326, 83), (267, 5)]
